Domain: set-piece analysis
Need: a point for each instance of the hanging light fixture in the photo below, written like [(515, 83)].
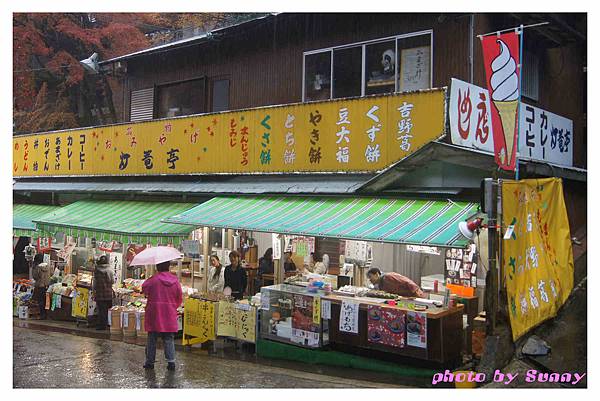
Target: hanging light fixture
[(469, 228)]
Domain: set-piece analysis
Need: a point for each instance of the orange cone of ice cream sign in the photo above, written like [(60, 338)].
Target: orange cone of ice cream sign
[(501, 61)]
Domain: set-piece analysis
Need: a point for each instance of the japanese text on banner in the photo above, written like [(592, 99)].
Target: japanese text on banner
[(538, 255)]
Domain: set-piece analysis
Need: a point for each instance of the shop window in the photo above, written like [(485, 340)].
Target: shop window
[(220, 95), (414, 60), (317, 76), (399, 63), (380, 68), (531, 76), (347, 72), (181, 98)]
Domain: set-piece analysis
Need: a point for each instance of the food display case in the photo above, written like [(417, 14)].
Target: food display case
[(292, 314)]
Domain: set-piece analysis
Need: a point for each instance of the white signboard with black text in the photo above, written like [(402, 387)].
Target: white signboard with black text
[(544, 135)]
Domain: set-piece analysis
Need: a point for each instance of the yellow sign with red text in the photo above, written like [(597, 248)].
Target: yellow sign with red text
[(538, 255), (350, 135)]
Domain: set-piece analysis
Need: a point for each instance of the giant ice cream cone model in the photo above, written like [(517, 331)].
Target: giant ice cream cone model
[(505, 95)]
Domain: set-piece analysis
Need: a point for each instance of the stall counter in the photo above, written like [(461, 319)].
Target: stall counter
[(443, 340)]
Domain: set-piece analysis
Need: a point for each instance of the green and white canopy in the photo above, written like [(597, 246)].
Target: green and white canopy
[(405, 221), (124, 221), (23, 214)]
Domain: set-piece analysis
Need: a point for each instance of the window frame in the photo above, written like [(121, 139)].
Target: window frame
[(363, 45), (157, 87), (211, 92)]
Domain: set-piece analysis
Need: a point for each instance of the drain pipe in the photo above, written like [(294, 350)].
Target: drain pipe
[(471, 36)]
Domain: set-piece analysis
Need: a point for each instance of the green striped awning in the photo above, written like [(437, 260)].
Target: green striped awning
[(23, 214), (406, 221), (124, 221)]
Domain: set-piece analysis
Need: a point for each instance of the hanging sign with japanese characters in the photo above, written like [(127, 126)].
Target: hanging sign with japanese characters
[(470, 118), (349, 317), (543, 135), (245, 325), (199, 320), (537, 254), (359, 134), (226, 319)]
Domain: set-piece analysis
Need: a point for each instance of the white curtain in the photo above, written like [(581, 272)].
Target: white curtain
[(396, 258)]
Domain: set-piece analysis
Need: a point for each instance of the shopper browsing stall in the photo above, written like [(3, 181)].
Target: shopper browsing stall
[(103, 292), (164, 297), (216, 275), (41, 274), (235, 276), (394, 283)]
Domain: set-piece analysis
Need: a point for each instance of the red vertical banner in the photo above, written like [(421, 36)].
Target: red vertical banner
[(501, 62)]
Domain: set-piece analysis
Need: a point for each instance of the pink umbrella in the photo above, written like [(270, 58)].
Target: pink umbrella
[(155, 255)]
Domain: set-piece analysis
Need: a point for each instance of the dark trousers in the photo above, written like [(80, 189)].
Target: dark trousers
[(168, 344), (40, 298), (103, 307)]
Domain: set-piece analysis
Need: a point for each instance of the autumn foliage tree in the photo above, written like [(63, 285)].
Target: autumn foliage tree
[(51, 89)]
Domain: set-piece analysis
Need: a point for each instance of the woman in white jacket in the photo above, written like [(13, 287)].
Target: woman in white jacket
[(216, 275)]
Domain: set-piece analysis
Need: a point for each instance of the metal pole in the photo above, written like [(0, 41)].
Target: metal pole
[(519, 103), (512, 29), (205, 249), (492, 291), (471, 46)]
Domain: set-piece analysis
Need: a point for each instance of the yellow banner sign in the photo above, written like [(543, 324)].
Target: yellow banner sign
[(226, 320), (245, 328), (79, 305), (352, 135), (538, 256), (316, 310), (198, 320)]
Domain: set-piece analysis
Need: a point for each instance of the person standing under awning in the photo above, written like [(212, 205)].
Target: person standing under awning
[(235, 276)]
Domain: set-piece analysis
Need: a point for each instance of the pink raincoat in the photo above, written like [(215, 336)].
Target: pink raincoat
[(164, 296)]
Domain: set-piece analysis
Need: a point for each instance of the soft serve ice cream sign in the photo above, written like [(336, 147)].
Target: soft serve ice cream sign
[(501, 59)]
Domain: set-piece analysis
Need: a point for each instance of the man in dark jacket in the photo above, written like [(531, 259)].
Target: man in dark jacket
[(41, 274), (235, 276), (103, 292)]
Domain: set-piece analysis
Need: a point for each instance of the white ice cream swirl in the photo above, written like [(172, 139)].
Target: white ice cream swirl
[(504, 81)]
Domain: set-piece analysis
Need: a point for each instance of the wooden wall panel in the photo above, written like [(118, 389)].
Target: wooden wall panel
[(264, 61)]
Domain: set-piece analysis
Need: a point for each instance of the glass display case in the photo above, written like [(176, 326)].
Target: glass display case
[(291, 314)]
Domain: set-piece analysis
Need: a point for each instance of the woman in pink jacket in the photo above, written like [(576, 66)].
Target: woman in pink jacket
[(164, 297)]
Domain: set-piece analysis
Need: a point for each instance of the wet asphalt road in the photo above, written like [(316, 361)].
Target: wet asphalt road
[(54, 360)]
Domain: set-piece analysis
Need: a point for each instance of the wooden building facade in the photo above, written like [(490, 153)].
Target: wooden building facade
[(272, 61)]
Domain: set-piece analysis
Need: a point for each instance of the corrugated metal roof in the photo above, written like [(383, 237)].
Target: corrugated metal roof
[(322, 184), (467, 158), (182, 42)]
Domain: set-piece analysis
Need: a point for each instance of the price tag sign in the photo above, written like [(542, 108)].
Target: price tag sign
[(326, 309), (264, 299), (317, 310)]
